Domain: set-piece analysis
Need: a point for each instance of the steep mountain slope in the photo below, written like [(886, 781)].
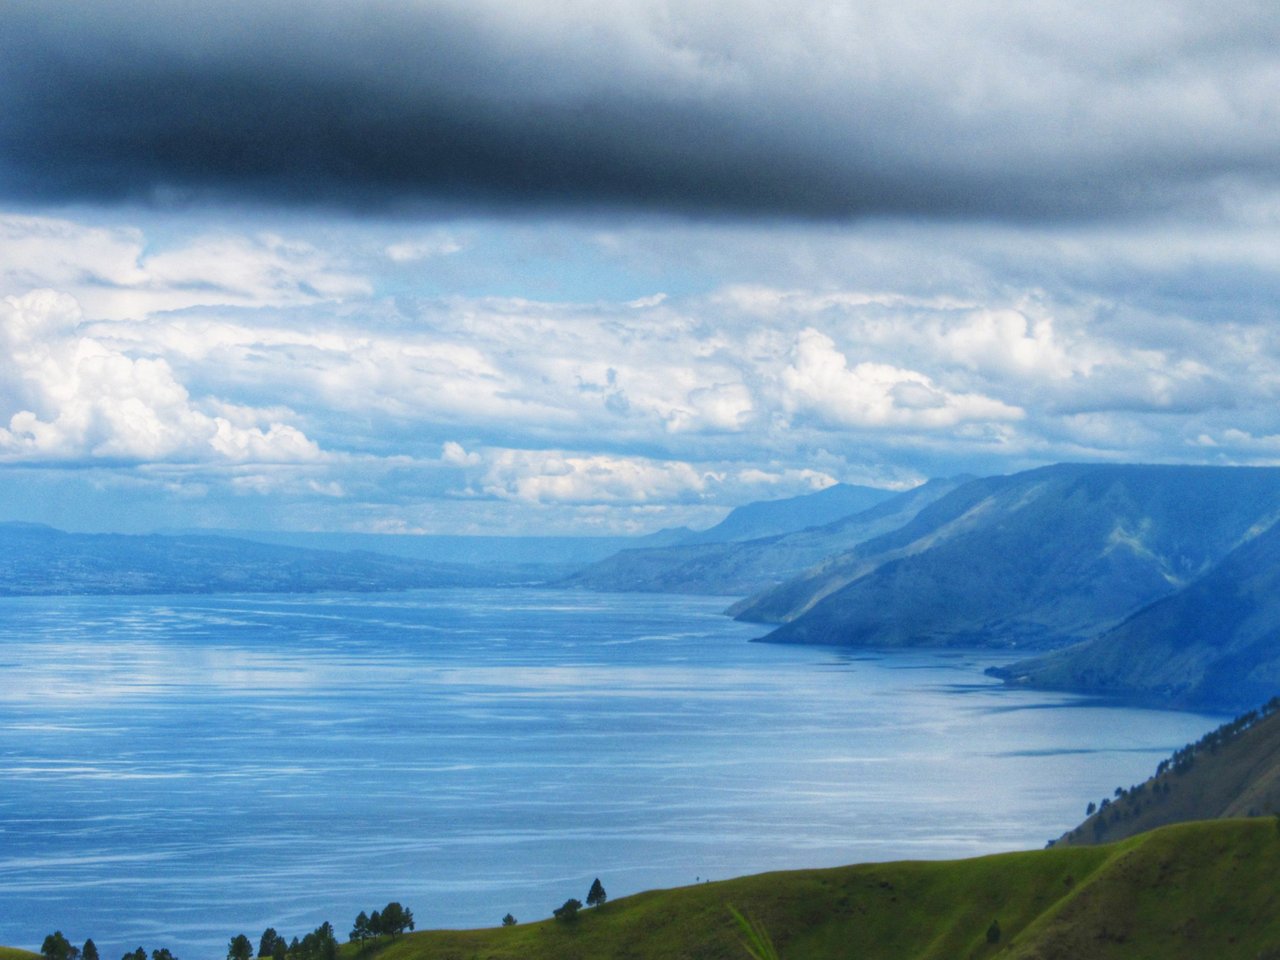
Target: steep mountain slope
[(1046, 557), (1216, 642), (41, 560), (1233, 771), (741, 568)]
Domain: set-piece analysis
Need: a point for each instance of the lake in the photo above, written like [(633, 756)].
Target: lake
[(176, 770)]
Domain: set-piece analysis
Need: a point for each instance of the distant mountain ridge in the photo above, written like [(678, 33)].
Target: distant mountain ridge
[(770, 518), (564, 552), (40, 560), (1041, 558), (739, 568)]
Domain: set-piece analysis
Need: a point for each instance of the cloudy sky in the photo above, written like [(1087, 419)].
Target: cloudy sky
[(554, 267)]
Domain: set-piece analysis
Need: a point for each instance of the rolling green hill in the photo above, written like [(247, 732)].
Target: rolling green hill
[(1186, 892), (1233, 771), (1194, 891), (1041, 559)]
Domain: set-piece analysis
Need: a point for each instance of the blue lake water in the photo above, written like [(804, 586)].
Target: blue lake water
[(176, 770)]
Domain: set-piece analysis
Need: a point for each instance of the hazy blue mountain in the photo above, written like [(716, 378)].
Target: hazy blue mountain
[(37, 559), (1041, 558), (743, 567), (1214, 643), (768, 518), (554, 555)]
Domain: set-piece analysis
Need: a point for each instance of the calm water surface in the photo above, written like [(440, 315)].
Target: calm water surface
[(175, 770)]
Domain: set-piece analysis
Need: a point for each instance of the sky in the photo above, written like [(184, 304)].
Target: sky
[(577, 268)]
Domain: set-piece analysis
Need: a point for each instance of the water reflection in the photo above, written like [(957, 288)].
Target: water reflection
[(180, 769)]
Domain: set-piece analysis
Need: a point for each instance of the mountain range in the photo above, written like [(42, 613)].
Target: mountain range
[(36, 559), (1155, 582), (1215, 642), (1042, 558), (736, 558)]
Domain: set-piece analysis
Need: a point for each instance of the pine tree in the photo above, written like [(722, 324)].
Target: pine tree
[(596, 895)]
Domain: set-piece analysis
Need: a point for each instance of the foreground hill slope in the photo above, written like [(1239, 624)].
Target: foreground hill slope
[(1041, 558), (739, 568), (1217, 642), (36, 559), (1191, 891), (1233, 771)]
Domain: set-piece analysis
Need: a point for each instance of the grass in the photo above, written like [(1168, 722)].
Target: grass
[(1185, 892), (1181, 893)]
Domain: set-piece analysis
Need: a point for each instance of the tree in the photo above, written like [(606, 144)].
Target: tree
[(57, 947), (396, 919), (138, 954), (376, 926), (596, 895), (89, 951), (508, 921), (360, 929), (1091, 809), (267, 945), (239, 948), (993, 932), (326, 942), (162, 954), (569, 911)]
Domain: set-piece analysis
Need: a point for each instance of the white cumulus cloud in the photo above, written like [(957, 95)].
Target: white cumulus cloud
[(72, 397), (818, 380)]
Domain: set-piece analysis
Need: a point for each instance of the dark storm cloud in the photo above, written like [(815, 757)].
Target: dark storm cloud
[(815, 110)]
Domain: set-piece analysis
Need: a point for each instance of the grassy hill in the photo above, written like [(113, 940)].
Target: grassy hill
[(1233, 771), (1041, 558), (1185, 892), (1191, 891)]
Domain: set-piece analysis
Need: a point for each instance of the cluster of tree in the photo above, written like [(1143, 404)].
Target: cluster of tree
[(1185, 758), (569, 909), (1129, 802), (58, 947), (320, 944), (391, 920)]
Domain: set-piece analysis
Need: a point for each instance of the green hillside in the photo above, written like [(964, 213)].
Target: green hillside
[(1191, 891), (1186, 892), (1233, 771)]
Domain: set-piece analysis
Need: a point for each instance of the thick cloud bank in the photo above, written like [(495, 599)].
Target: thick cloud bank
[(1029, 110)]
